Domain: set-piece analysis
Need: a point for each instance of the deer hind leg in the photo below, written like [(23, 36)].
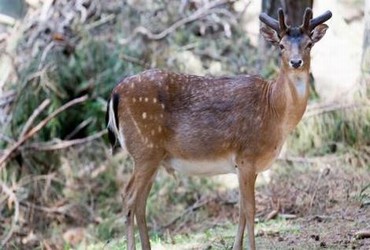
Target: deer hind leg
[(146, 183), (128, 197), (134, 199), (247, 178)]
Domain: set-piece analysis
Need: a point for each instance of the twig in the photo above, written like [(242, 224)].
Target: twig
[(6, 138), (8, 20), (132, 59), (79, 127), (66, 209), (333, 107), (101, 21), (64, 144), (32, 118), (53, 210), (305, 160), (7, 98), (45, 53), (11, 198), (37, 128), (313, 160), (31, 178), (362, 234), (364, 189), (190, 209), (273, 213), (79, 6), (316, 186), (288, 216), (196, 15)]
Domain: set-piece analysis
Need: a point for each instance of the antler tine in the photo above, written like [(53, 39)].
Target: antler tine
[(320, 19), (282, 24), (306, 19), (269, 21), (278, 26)]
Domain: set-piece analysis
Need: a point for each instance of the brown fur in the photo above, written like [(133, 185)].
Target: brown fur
[(165, 116)]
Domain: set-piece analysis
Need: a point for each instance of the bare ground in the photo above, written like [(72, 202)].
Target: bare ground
[(301, 208)]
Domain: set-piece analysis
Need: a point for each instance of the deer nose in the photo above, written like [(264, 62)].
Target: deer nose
[(296, 63)]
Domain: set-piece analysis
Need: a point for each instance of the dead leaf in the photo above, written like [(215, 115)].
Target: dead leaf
[(74, 236)]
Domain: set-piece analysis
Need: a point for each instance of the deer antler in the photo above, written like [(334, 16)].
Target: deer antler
[(320, 19), (278, 26), (282, 24), (306, 19), (269, 21), (308, 23)]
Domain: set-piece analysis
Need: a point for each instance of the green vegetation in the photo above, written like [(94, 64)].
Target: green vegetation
[(335, 132)]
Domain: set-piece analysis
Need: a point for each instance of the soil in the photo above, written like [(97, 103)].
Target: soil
[(300, 208)]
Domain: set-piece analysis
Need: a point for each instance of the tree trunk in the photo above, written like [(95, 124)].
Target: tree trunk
[(365, 62), (293, 9)]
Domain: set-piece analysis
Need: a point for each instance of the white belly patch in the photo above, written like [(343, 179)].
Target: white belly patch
[(204, 167)]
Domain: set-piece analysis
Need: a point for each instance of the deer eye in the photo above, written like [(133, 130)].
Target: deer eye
[(281, 46), (309, 45)]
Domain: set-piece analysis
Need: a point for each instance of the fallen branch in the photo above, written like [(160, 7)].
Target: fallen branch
[(78, 128), (11, 199), (6, 138), (362, 234), (133, 60), (314, 160), (274, 213), (37, 128), (101, 21), (190, 209), (32, 118), (364, 188), (50, 146), (8, 20), (65, 209), (45, 53), (7, 98), (314, 111), (158, 36), (288, 216)]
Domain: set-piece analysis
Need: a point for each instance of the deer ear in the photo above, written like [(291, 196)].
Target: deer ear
[(318, 32), (270, 35)]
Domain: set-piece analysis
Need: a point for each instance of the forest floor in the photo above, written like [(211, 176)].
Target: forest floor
[(303, 207)]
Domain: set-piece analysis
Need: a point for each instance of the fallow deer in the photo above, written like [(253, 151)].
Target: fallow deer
[(212, 125)]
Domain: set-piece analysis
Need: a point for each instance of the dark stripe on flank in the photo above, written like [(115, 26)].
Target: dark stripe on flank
[(115, 100)]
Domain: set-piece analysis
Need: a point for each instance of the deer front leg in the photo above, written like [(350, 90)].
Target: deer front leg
[(238, 243), (247, 178)]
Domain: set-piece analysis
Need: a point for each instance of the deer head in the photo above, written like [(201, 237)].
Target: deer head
[(295, 43)]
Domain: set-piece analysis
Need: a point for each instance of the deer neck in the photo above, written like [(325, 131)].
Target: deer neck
[(291, 91)]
